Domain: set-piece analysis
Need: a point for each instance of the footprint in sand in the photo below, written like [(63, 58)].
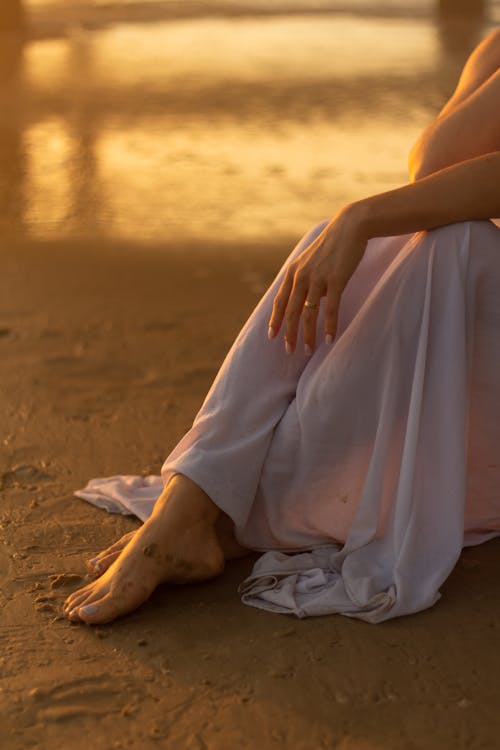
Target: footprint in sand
[(86, 696), (64, 579), (23, 474)]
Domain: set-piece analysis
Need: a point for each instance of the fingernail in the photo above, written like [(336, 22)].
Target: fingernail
[(271, 333), (97, 568), (89, 609), (308, 350), (329, 338), (288, 347)]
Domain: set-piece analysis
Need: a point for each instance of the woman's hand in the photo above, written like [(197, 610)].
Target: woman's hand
[(321, 270)]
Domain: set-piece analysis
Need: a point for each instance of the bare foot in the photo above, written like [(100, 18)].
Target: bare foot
[(224, 529), (178, 544), (101, 562)]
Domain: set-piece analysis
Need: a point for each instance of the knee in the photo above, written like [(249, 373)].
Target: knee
[(462, 230), (467, 248), (451, 239)]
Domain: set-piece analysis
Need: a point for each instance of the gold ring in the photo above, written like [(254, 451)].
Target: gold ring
[(308, 303)]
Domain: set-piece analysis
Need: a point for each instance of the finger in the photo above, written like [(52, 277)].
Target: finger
[(294, 310), (280, 302), (331, 311), (310, 317)]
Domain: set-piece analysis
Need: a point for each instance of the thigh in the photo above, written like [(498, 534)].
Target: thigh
[(379, 255), (482, 509)]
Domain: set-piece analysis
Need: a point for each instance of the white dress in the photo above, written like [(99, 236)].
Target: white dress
[(363, 470)]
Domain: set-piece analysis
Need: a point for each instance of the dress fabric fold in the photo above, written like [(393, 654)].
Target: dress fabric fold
[(361, 471)]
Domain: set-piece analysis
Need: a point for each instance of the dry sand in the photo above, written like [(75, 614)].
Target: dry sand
[(105, 355)]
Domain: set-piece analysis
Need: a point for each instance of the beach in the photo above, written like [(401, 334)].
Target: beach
[(143, 215), (105, 357)]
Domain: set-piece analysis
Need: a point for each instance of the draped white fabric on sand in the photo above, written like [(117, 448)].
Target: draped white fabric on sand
[(361, 471)]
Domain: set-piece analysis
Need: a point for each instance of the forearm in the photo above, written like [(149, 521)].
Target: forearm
[(469, 129), (463, 192)]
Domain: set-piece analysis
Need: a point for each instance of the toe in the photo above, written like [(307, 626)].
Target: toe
[(72, 615), (76, 598), (104, 562), (77, 595), (86, 599), (75, 601), (100, 564), (95, 565), (91, 566), (102, 610), (117, 546)]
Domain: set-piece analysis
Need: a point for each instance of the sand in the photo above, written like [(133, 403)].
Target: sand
[(105, 355)]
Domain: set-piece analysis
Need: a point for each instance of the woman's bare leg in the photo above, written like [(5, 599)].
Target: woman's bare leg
[(179, 543), (189, 537), (224, 528)]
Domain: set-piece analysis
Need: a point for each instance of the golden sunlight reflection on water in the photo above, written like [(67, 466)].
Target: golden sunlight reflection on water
[(214, 129), (48, 147), (197, 51), (220, 180)]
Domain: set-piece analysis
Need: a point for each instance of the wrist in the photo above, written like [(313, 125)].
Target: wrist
[(390, 213), (362, 215)]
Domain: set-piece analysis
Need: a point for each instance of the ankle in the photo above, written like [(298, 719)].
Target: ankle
[(188, 501)]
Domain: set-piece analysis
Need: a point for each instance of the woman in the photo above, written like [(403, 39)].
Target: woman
[(365, 440)]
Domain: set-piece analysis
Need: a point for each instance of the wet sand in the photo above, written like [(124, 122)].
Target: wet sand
[(141, 220), (104, 359)]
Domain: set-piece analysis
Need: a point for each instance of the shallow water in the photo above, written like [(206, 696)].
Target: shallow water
[(214, 128)]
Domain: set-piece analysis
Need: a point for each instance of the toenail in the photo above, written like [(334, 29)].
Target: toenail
[(90, 609)]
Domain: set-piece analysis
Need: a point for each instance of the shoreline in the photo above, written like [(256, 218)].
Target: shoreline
[(55, 19)]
